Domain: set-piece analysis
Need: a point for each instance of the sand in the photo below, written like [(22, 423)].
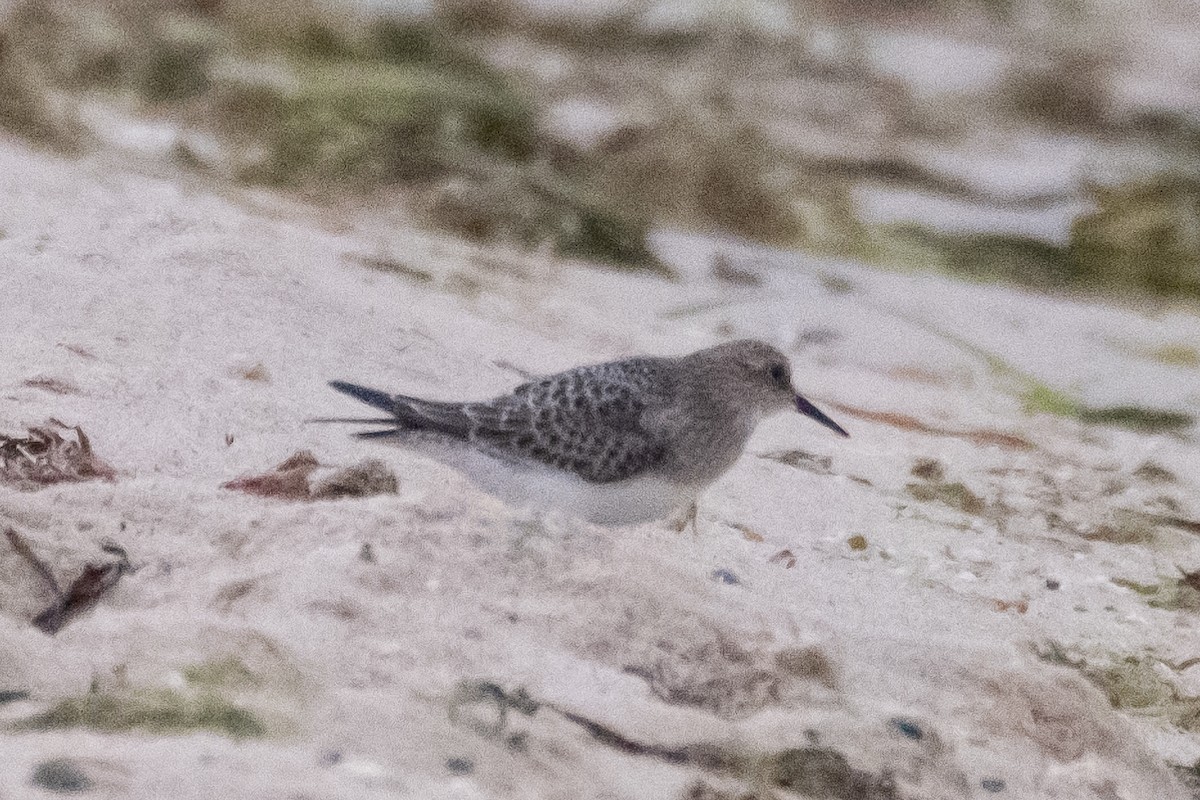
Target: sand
[(368, 646)]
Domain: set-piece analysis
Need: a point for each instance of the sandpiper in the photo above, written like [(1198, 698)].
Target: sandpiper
[(615, 443)]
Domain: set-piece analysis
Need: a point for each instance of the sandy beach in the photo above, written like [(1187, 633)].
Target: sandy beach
[(963, 600)]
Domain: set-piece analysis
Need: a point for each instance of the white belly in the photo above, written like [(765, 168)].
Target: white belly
[(544, 488), (621, 503)]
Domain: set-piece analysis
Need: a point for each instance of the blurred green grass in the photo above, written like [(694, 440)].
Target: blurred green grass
[(162, 711), (202, 703), (334, 104), (319, 104)]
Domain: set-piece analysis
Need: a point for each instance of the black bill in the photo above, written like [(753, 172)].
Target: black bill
[(809, 410)]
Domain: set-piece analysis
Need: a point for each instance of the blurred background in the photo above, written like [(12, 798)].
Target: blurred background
[(1053, 144)]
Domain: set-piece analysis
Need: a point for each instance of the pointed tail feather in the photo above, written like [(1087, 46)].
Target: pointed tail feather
[(372, 397), (408, 413)]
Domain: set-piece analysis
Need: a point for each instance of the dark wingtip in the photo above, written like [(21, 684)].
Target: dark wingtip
[(809, 410), (385, 434), (372, 397)]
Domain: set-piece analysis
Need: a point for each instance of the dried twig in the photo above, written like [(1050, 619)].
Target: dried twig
[(85, 591), (23, 549)]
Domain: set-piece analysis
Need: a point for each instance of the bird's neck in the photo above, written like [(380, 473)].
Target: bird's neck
[(719, 433)]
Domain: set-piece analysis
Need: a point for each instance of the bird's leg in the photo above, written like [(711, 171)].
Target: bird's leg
[(688, 516)]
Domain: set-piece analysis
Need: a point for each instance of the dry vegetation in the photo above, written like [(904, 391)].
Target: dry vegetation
[(43, 456)]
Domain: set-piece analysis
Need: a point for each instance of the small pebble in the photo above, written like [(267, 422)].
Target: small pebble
[(908, 728), (857, 542), (992, 785), (725, 576), (60, 775), (460, 766)]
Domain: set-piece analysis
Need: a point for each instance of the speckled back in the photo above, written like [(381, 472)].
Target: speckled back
[(586, 420)]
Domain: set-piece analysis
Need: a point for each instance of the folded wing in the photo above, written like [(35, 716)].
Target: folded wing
[(589, 420)]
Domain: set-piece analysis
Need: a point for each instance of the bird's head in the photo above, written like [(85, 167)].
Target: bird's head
[(756, 374)]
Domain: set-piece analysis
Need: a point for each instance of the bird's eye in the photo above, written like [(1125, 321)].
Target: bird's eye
[(778, 374)]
